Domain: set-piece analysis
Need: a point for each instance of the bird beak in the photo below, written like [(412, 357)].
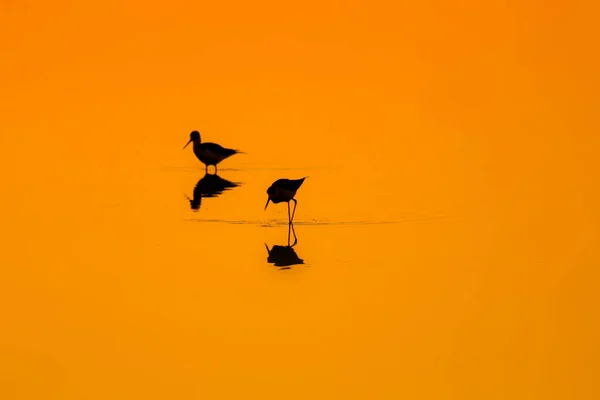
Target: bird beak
[(187, 144), (268, 251), (268, 200)]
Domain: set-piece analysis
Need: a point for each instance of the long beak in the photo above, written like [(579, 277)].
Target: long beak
[(268, 200), (187, 144), (268, 251)]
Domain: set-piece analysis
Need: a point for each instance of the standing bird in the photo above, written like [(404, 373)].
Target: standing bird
[(284, 190), (209, 153)]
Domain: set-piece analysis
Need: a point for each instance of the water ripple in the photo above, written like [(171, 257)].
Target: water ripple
[(275, 223)]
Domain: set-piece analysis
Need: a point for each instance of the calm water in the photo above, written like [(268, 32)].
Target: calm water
[(447, 233), (395, 286)]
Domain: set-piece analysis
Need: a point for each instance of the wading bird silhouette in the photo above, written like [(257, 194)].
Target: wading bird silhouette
[(209, 153), (284, 190)]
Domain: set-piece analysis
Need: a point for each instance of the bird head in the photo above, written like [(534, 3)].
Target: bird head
[(270, 192), (194, 136)]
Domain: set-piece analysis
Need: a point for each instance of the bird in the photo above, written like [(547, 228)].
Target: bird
[(284, 190), (209, 153)]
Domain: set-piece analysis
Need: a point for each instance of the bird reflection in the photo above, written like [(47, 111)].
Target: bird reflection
[(284, 256), (211, 185)]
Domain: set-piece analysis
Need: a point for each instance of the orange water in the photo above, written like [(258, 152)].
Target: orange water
[(448, 226)]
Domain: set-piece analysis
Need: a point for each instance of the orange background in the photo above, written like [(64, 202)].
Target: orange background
[(449, 222)]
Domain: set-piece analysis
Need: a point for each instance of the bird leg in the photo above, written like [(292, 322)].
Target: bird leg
[(295, 238), (294, 212), (292, 230), (289, 219)]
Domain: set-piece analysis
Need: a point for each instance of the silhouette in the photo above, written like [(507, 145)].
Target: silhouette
[(284, 190), (284, 256), (211, 185), (209, 153)]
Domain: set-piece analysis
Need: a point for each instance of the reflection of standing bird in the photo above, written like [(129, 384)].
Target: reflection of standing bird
[(209, 153), (284, 190), (209, 186)]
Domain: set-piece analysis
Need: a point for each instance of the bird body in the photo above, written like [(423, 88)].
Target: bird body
[(209, 153), (212, 153), (284, 190)]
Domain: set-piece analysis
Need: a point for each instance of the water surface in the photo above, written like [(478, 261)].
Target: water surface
[(447, 232)]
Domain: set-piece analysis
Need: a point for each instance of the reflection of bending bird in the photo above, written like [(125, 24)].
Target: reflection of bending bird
[(283, 256)]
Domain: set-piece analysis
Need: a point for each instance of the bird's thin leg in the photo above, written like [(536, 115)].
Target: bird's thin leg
[(289, 219), (294, 212), (215, 169), (289, 228), (295, 238)]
